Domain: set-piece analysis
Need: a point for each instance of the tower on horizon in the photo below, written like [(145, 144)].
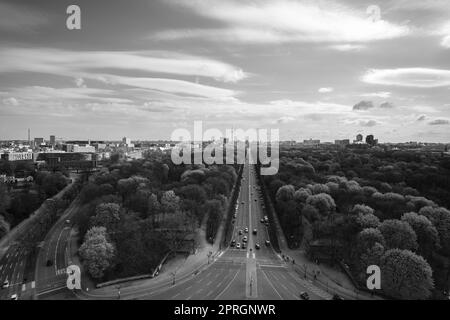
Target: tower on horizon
[(29, 139)]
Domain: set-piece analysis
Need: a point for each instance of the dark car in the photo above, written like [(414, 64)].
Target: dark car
[(304, 295), (255, 231), (49, 263), (267, 243), (233, 243), (257, 246)]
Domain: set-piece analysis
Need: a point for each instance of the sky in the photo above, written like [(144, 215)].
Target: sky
[(318, 69)]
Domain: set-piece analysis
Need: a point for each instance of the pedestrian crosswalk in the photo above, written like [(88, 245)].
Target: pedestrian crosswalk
[(321, 293), (61, 271)]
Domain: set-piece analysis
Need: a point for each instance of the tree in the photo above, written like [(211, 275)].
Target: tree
[(301, 195), (440, 218), (323, 202), (318, 188), (368, 220), (170, 202), (4, 226), (367, 238), (106, 215), (154, 207), (405, 275), (5, 199), (285, 193), (398, 234), (97, 252), (361, 209), (427, 235)]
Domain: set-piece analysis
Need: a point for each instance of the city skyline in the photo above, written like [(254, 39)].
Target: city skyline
[(324, 70)]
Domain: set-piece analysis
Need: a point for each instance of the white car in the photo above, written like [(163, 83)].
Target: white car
[(5, 284), (238, 245), (14, 297), (244, 239)]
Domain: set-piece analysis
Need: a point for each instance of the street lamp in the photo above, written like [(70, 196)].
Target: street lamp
[(118, 292)]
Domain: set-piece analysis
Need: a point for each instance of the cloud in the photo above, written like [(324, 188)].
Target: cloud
[(348, 47), (79, 63), (368, 123), (439, 122), (421, 118), (446, 42), (284, 120), (10, 101), (382, 94), (386, 105), (79, 82), (170, 85), (267, 21), (325, 90), (363, 105), (409, 77), (20, 18)]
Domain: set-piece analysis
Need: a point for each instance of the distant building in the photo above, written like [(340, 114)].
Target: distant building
[(17, 156), (127, 142), (38, 141), (311, 142), (344, 142), (52, 141)]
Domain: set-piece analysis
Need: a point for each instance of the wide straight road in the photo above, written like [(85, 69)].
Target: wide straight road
[(53, 259), (17, 268), (239, 274)]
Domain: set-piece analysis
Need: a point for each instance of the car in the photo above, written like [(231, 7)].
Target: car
[(233, 243), (304, 295), (14, 297), (262, 221), (240, 232), (337, 297), (49, 263), (257, 246), (244, 239), (255, 231), (238, 245), (234, 215), (246, 230), (5, 284), (267, 243), (243, 202), (266, 218), (67, 221), (244, 245)]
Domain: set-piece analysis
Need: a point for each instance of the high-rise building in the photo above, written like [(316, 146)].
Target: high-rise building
[(38, 141), (359, 137), (371, 140), (52, 141)]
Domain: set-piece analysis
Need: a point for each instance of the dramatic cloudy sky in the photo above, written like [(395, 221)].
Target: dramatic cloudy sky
[(314, 69)]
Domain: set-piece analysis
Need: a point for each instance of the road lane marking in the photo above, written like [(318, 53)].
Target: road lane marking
[(229, 284), (270, 283)]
